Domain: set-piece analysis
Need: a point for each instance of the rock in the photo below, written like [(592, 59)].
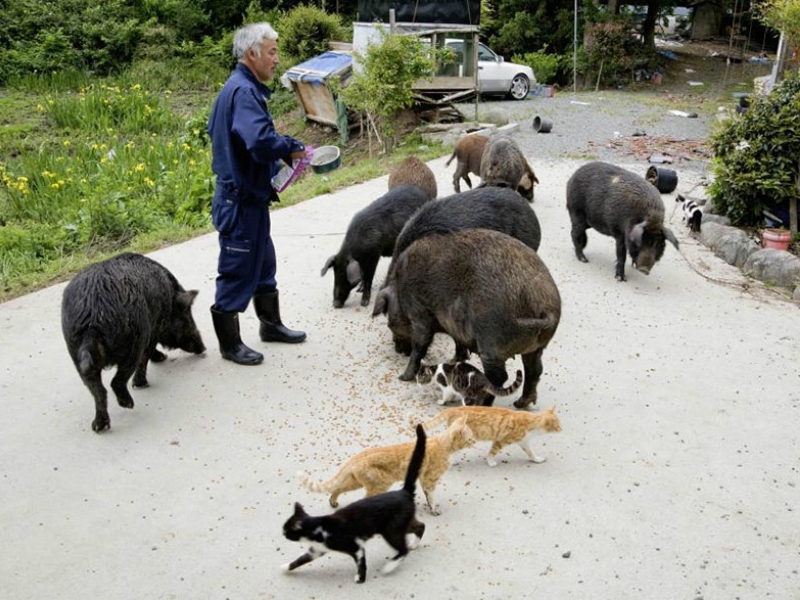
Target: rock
[(711, 232), (734, 247), (796, 295), (777, 267), (720, 219)]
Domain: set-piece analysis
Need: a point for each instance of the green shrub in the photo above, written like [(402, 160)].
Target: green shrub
[(304, 32), (545, 66), (383, 86), (756, 155), (609, 51)]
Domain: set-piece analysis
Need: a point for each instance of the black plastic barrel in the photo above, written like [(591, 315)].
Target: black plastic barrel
[(666, 180)]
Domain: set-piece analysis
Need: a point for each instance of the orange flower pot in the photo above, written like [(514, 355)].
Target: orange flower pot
[(776, 238)]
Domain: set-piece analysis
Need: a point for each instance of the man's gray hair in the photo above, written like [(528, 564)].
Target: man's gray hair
[(252, 36)]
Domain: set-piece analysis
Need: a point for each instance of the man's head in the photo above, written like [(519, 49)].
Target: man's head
[(256, 46)]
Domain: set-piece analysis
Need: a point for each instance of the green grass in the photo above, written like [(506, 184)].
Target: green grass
[(90, 168)]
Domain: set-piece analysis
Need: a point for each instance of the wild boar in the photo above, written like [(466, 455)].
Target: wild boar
[(623, 205), (114, 313), (503, 165), (415, 172), (371, 234), (490, 292), (469, 152)]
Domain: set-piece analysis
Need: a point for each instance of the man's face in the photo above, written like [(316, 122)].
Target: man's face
[(264, 65)]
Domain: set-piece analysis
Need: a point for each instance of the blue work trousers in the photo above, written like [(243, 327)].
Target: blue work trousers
[(246, 253)]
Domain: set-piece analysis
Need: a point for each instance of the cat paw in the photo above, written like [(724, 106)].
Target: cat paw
[(286, 567), (435, 511), (391, 566), (359, 579), (412, 541), (491, 462), (538, 459)]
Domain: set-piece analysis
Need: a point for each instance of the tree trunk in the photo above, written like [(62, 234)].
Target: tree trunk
[(649, 25), (613, 7)]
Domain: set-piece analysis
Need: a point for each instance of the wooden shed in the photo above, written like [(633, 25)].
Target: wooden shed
[(435, 23)]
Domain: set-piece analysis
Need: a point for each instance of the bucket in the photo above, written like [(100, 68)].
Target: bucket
[(541, 125), (666, 180), (776, 238)]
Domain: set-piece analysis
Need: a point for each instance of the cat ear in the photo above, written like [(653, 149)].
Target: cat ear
[(298, 509)]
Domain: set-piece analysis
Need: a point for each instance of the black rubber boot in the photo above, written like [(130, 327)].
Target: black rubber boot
[(226, 325), (272, 329)]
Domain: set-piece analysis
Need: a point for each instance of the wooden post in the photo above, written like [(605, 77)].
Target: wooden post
[(793, 207)]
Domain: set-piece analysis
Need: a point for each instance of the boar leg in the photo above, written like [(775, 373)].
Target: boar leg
[(419, 348), (368, 267), (579, 235), (140, 375), (120, 384), (621, 252), (532, 363), (94, 382), (495, 370), (462, 353)]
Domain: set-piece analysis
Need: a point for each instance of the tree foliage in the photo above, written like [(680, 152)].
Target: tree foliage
[(382, 86)]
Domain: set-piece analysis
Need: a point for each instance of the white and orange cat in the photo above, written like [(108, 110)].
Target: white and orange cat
[(502, 426), (376, 469)]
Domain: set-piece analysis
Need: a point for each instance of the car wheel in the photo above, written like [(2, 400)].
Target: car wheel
[(520, 86)]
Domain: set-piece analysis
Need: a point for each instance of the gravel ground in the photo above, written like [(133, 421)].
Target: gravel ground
[(601, 126)]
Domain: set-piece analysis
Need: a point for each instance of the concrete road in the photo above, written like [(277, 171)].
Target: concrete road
[(675, 475)]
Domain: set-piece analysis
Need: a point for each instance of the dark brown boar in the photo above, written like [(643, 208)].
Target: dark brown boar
[(621, 204), (490, 292), (504, 165)]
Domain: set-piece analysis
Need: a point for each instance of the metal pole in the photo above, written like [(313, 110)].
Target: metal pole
[(575, 51)]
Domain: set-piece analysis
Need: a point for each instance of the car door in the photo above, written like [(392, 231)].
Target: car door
[(490, 72)]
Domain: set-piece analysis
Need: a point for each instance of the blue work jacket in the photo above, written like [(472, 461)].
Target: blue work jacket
[(245, 147)]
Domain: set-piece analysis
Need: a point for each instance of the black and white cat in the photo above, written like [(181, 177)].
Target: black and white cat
[(391, 514), (465, 382)]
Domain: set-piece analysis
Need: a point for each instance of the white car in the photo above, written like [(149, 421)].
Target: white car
[(495, 75)]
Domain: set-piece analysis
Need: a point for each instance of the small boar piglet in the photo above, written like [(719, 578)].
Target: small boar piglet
[(414, 172), (115, 312), (488, 291), (372, 233), (620, 204), (469, 152)]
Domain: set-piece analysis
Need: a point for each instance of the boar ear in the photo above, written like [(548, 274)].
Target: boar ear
[(328, 265), (353, 272), (185, 299), (671, 237), (636, 233)]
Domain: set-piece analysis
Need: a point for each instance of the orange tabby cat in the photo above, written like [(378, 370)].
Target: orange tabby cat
[(502, 426), (376, 469)]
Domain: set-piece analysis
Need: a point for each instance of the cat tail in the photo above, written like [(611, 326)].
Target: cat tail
[(319, 486), (508, 390), (438, 419), (415, 464)]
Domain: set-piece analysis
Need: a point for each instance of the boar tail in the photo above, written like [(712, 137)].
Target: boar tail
[(542, 324), (449, 160), (86, 356)]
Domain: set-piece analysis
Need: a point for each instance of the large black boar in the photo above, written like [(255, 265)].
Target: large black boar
[(499, 209), (371, 234), (491, 293), (114, 313), (621, 204)]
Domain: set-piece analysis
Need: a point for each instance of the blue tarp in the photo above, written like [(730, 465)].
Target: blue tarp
[(318, 69)]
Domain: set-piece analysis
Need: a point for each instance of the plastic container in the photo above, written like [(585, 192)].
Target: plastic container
[(666, 180), (776, 238), (541, 125), (289, 173)]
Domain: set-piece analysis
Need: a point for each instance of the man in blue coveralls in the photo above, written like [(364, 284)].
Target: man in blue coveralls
[(246, 154)]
